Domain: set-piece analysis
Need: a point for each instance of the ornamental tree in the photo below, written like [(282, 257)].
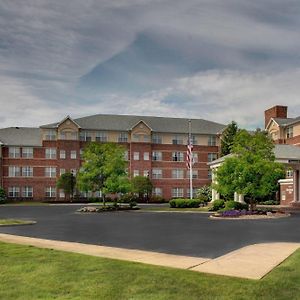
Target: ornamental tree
[(2, 195), (142, 185), (104, 169), (67, 182), (251, 170), (227, 138)]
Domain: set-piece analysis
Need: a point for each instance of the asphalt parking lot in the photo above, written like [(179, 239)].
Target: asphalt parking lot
[(191, 234)]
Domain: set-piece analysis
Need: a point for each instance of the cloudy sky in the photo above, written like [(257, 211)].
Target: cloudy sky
[(213, 59)]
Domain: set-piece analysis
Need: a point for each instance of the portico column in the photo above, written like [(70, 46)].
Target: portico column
[(296, 185), (236, 197), (241, 198)]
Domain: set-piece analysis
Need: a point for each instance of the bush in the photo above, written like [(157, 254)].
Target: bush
[(2, 196), (233, 205), (157, 199), (204, 193), (217, 205), (203, 200), (269, 202), (184, 203), (129, 198)]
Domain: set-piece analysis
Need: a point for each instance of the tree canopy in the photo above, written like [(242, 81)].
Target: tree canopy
[(142, 186), (67, 182), (251, 170), (104, 169), (227, 138)]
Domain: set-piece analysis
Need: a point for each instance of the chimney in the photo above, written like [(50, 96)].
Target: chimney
[(277, 111)]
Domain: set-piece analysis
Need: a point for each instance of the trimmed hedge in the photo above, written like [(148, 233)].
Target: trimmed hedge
[(184, 203), (217, 205), (233, 205)]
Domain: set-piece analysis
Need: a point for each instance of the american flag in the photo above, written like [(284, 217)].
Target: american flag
[(189, 154)]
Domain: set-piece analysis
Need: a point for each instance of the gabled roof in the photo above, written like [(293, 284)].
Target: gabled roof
[(67, 118), (157, 124), (141, 121), (21, 136)]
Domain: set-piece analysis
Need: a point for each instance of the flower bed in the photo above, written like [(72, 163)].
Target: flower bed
[(93, 209)]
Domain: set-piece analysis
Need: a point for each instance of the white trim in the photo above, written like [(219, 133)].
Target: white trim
[(139, 123), (66, 118), (270, 121), (285, 181)]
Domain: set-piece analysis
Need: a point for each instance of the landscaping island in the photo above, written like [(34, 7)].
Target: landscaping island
[(14, 222)]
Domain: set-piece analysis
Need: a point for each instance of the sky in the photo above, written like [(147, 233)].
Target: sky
[(219, 60)]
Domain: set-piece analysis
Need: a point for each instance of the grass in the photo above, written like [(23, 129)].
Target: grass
[(25, 203), (14, 222), (32, 273)]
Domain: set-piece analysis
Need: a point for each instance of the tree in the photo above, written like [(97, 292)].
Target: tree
[(227, 138), (142, 185), (67, 182), (104, 169), (204, 193), (2, 195), (251, 170)]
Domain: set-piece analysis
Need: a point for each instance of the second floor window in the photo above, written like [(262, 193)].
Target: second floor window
[(177, 140), (50, 135), (50, 172), (62, 154), (73, 154), (136, 155), (156, 173), (14, 171), (177, 156), (50, 153), (212, 156), (27, 152), (156, 139), (177, 173), (123, 137), (212, 140), (156, 155), (85, 136), (101, 136), (14, 152), (289, 132), (27, 171)]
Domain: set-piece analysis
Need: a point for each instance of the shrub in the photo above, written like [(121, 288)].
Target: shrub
[(157, 199), (204, 193), (129, 198), (233, 205), (2, 195), (184, 203), (203, 200), (217, 205), (269, 202)]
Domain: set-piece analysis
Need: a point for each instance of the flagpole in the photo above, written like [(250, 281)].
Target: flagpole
[(191, 160)]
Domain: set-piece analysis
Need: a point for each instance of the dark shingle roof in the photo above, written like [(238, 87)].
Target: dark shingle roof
[(20, 136), (157, 124), (283, 122)]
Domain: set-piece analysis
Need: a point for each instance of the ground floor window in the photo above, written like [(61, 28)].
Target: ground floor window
[(177, 192), (50, 192), (27, 191), (14, 192), (157, 191), (188, 192)]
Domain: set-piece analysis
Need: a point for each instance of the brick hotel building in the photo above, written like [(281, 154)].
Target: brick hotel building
[(31, 159)]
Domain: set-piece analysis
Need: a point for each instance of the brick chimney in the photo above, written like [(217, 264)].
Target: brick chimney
[(277, 111)]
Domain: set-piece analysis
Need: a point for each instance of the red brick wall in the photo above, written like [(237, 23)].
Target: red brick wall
[(277, 111), (286, 193)]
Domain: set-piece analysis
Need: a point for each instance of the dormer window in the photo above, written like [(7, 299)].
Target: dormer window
[(289, 132)]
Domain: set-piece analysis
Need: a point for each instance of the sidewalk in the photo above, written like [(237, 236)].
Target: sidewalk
[(252, 262)]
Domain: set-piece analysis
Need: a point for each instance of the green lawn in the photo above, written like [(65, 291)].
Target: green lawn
[(14, 222), (25, 203), (31, 273)]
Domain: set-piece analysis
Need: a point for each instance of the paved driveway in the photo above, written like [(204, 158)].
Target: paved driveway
[(191, 234)]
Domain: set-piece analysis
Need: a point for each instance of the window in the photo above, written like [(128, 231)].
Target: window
[(126, 155), (62, 154), (14, 171), (156, 139), (194, 174), (85, 136), (14, 152), (136, 173), (195, 157), (136, 137), (13, 192), (289, 173), (177, 173), (74, 172), (212, 140), (81, 153), (177, 156), (27, 192), (156, 155), (101, 136), (50, 192), (146, 155), (50, 153), (123, 137), (146, 138), (194, 192), (212, 156), (50, 135), (73, 154), (289, 132), (177, 192), (177, 140), (62, 171), (50, 172), (27, 171), (136, 155), (146, 173), (209, 174), (194, 140), (156, 173), (27, 152), (157, 191)]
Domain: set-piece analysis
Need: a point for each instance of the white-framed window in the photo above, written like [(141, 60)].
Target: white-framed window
[(62, 154), (27, 152), (73, 154), (50, 153), (136, 173), (156, 173), (156, 138), (212, 156), (123, 137), (177, 192), (50, 192), (177, 156), (177, 173), (194, 192), (289, 173), (136, 137), (289, 132), (146, 173), (146, 138), (212, 140), (146, 156), (194, 140), (195, 157), (50, 172), (156, 155), (61, 194), (27, 171), (85, 136), (62, 171), (177, 139), (14, 171), (157, 191), (27, 191), (194, 174), (14, 152), (50, 135), (101, 136), (13, 192), (136, 155)]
